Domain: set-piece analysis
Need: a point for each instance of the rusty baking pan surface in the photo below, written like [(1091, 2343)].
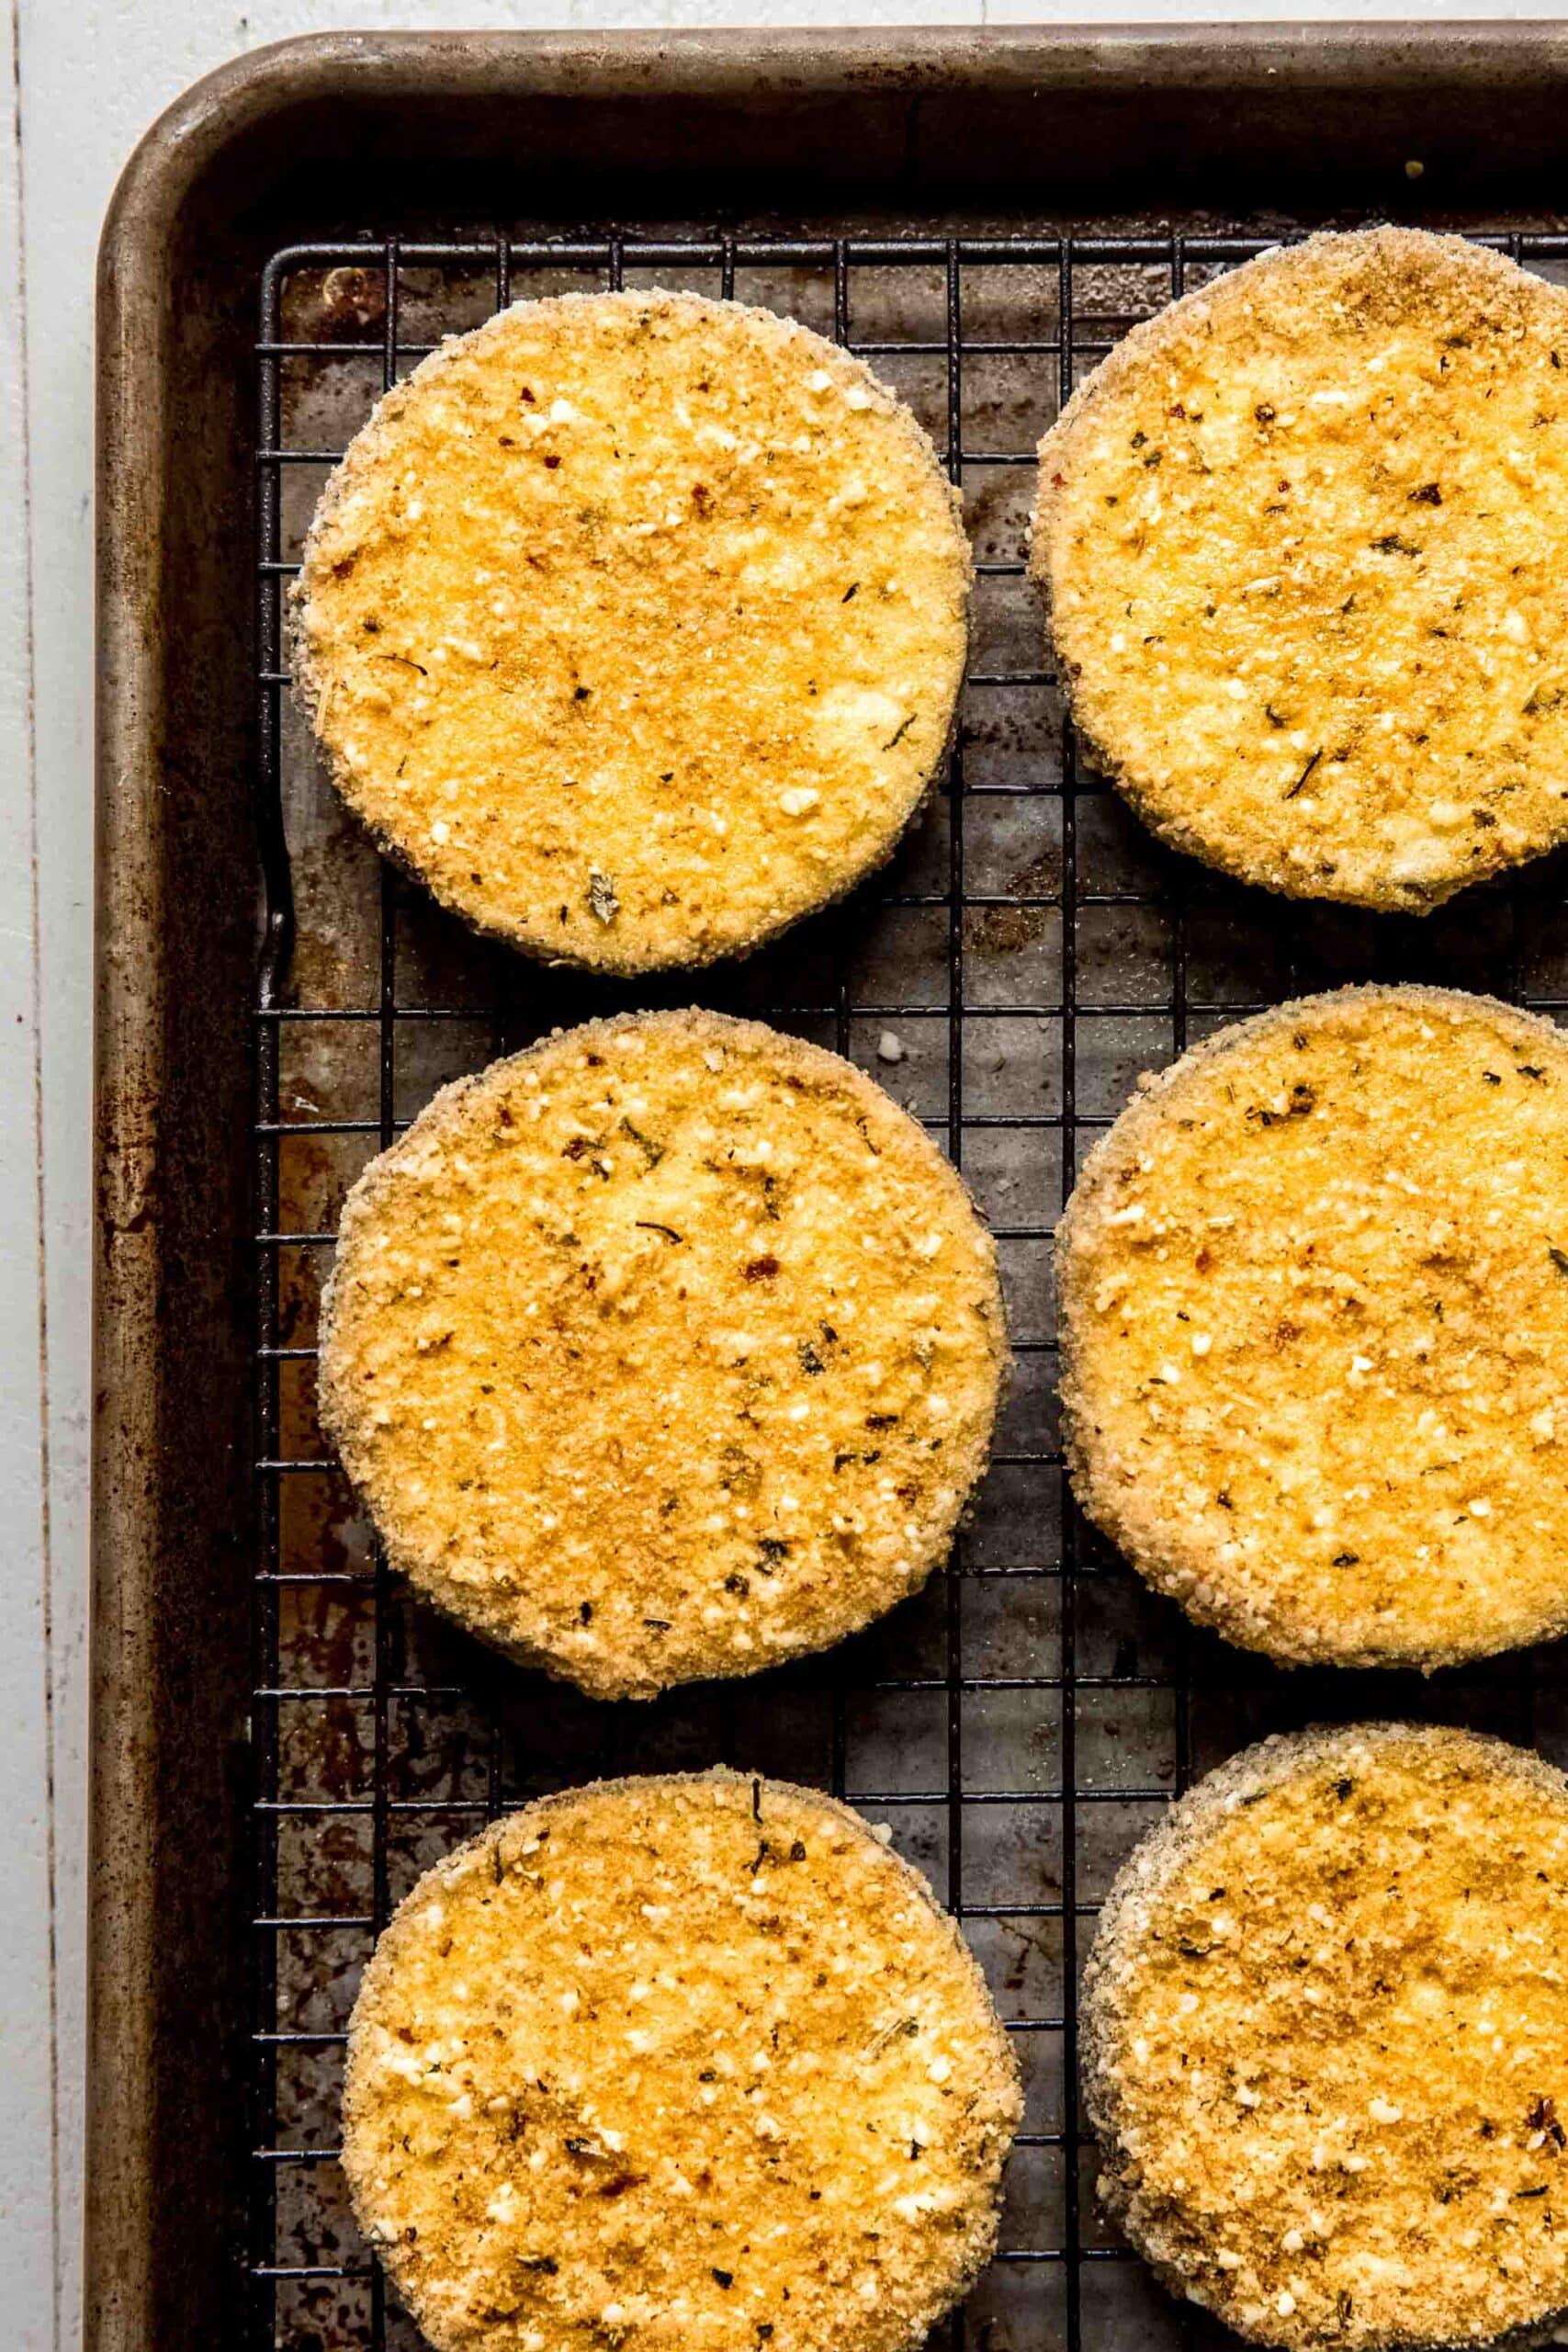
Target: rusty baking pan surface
[(284, 1738)]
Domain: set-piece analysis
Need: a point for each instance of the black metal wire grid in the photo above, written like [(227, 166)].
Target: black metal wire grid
[(1024, 1721)]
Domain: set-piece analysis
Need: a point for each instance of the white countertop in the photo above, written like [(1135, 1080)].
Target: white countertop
[(88, 79)]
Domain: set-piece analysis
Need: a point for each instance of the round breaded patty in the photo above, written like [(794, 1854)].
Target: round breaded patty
[(1315, 1288), (1303, 539), (670, 1347), (677, 2061), (1325, 2041), (634, 624)]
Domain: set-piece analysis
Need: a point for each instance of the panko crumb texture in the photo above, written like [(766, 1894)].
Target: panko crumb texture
[(1303, 539), (664, 2063), (635, 624), (1315, 1289), (1325, 2041), (668, 1347)]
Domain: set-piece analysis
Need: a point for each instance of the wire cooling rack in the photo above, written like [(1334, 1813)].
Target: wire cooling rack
[(1020, 1724)]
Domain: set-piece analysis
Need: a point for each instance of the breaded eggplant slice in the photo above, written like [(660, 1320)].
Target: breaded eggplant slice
[(677, 2061), (1325, 2042), (1314, 1291), (1304, 542), (634, 624), (670, 1347)]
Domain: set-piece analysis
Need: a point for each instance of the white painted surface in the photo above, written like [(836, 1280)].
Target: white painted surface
[(86, 80)]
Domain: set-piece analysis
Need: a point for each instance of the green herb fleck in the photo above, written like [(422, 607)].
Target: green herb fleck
[(1300, 782)]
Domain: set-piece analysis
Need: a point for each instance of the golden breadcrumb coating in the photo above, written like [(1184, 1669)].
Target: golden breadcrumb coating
[(634, 624), (1314, 1287), (670, 1347), (1303, 538), (1325, 2041), (674, 2062)]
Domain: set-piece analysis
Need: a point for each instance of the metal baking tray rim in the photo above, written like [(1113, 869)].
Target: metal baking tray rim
[(166, 753)]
